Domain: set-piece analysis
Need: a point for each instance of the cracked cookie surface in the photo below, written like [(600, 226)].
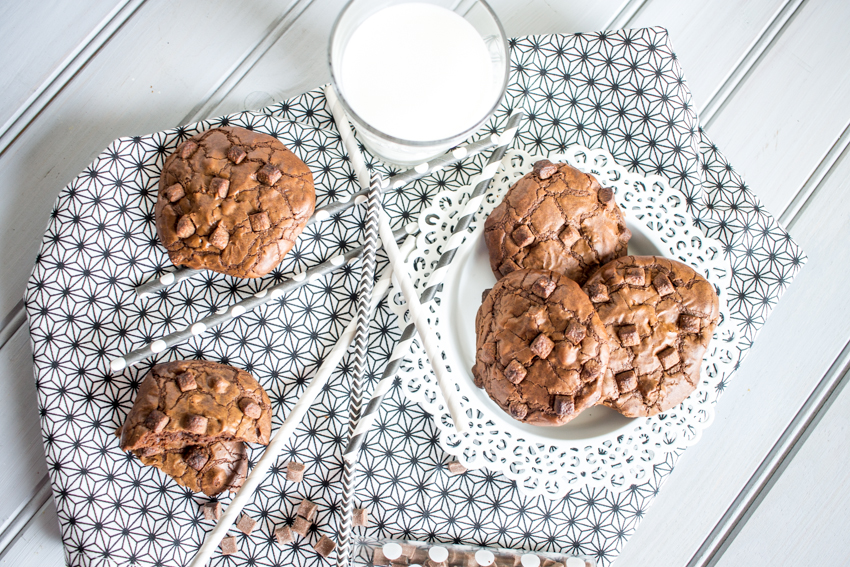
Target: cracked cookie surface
[(541, 349), (556, 218), (232, 201), (660, 316)]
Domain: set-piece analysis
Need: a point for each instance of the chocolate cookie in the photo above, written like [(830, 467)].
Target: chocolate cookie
[(232, 201), (556, 218), (660, 316), (541, 349), (222, 465), (195, 402)]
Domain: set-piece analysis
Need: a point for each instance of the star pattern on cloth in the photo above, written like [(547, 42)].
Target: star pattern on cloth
[(623, 91)]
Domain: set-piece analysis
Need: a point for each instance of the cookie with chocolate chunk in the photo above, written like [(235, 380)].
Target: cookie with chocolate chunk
[(232, 201), (660, 316), (212, 469), (556, 218), (196, 402), (541, 349)]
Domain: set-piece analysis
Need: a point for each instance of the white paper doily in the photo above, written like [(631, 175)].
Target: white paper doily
[(601, 448)]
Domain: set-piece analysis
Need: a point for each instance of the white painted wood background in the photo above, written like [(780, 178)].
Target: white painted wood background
[(768, 482)]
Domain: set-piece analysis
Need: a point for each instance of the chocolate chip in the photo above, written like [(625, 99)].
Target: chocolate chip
[(598, 293), (220, 385), (195, 458), (295, 471), (149, 451), (260, 221), (186, 381), (301, 526), (569, 236), (220, 186), (185, 227), (220, 237), (156, 421), (455, 468), (228, 545), (324, 546), (515, 372), (518, 410), (669, 358), (197, 424), (211, 510), (575, 332), (250, 408), (635, 276), (605, 194), (590, 370), (563, 405), (523, 236), (689, 323), (507, 267), (307, 509), (360, 517), (628, 335), (485, 293), (626, 381), (246, 524), (236, 154), (663, 285), (543, 287), (542, 345), (175, 193), (188, 148), (268, 174), (544, 169), (283, 535)]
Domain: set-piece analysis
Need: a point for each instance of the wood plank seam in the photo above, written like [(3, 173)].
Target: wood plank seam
[(771, 467), (240, 68), (11, 323), (754, 53), (15, 526), (66, 71), (624, 15)]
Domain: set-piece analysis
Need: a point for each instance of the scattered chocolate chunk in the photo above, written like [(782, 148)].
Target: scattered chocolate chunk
[(187, 149), (260, 221), (575, 332), (301, 526), (605, 194), (598, 293), (220, 385), (626, 381), (484, 294), (507, 267), (185, 227), (688, 323), (378, 557), (635, 276), (268, 174), (195, 458), (543, 287), (250, 408), (569, 236), (590, 370), (197, 424), (149, 451), (220, 186), (544, 169), (220, 237), (307, 509), (295, 471), (542, 345), (563, 405), (663, 285), (156, 421), (515, 372), (324, 546), (186, 381), (669, 358), (360, 517), (628, 335), (283, 535), (228, 545), (455, 468), (518, 410), (246, 524), (522, 235), (175, 193), (211, 510), (236, 154)]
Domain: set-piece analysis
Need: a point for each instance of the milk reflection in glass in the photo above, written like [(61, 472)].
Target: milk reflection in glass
[(420, 73)]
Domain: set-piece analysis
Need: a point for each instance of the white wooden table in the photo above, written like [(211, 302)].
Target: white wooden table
[(768, 482)]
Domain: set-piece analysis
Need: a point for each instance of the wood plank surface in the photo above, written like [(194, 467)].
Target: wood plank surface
[(40, 543)]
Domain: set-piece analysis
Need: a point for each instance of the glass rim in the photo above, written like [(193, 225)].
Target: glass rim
[(420, 143)]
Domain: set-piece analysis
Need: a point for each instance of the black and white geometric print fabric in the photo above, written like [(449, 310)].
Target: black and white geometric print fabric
[(623, 91)]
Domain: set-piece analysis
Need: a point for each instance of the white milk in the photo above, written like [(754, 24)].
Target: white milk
[(418, 72)]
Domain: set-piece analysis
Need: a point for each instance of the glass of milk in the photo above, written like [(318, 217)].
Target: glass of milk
[(417, 77)]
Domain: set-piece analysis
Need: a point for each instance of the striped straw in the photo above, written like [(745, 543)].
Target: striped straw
[(459, 233), (329, 210)]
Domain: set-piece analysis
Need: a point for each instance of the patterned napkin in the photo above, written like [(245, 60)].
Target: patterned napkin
[(623, 91)]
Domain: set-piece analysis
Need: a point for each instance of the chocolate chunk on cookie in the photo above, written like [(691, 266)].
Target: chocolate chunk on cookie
[(556, 218), (232, 201), (660, 315), (212, 469), (540, 356)]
